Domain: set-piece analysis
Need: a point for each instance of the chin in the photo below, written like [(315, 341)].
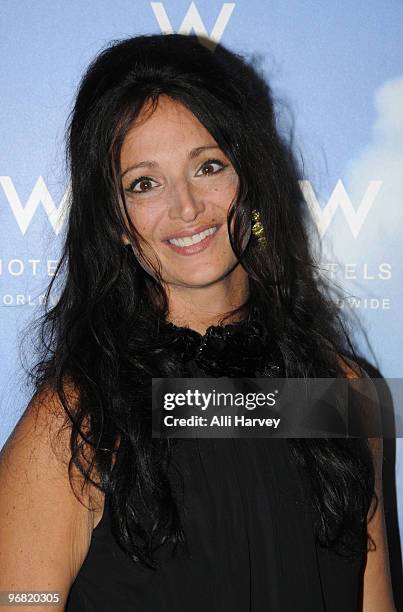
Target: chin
[(200, 278)]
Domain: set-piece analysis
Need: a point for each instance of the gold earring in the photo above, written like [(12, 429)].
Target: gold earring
[(258, 229)]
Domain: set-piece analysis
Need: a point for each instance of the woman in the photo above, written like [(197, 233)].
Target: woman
[(186, 254)]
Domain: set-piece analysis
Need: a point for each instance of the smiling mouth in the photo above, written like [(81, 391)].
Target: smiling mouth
[(194, 239), (191, 245)]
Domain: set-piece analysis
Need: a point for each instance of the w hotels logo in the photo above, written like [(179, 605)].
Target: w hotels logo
[(340, 199), (40, 196), (193, 21)]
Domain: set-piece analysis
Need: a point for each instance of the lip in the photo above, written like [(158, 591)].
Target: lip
[(192, 249), (192, 230)]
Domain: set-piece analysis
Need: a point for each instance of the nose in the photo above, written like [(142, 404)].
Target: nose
[(185, 202)]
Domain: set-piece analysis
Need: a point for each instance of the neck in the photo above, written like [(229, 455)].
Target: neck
[(200, 307)]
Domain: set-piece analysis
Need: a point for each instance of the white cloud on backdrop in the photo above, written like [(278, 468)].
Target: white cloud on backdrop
[(381, 160)]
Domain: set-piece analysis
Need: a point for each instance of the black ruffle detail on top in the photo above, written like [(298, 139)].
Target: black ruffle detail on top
[(244, 348)]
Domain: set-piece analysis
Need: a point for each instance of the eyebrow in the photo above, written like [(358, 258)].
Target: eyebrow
[(152, 164)]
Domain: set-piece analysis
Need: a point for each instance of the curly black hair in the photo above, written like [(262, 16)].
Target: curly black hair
[(101, 335)]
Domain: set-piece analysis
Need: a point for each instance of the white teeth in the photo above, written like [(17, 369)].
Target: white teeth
[(188, 240)]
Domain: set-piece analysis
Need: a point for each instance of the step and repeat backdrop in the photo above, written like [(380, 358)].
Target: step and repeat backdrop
[(336, 72)]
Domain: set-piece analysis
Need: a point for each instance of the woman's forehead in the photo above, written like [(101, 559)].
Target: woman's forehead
[(169, 128)]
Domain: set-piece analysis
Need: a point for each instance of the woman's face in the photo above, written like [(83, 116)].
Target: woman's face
[(178, 187)]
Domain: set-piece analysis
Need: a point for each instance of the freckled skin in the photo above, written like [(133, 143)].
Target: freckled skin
[(180, 193)]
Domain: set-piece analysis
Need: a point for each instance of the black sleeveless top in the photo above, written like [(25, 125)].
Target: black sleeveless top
[(245, 510)]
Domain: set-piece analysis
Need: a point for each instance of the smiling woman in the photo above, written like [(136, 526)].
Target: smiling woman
[(181, 207), (186, 255)]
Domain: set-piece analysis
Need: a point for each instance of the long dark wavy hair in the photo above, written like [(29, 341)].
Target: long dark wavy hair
[(100, 337)]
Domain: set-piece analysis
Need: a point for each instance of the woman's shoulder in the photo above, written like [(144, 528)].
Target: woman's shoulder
[(46, 512), (42, 434)]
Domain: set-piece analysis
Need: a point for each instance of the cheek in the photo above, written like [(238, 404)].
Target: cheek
[(144, 221), (222, 199), (229, 195)]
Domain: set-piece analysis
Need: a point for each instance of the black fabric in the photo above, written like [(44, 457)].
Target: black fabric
[(245, 509), (245, 348)]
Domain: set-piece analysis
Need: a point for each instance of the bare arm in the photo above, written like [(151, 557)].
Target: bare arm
[(377, 587), (45, 530), (377, 594)]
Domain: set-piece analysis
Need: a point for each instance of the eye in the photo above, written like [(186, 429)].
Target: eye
[(145, 182), (141, 181), (210, 163)]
